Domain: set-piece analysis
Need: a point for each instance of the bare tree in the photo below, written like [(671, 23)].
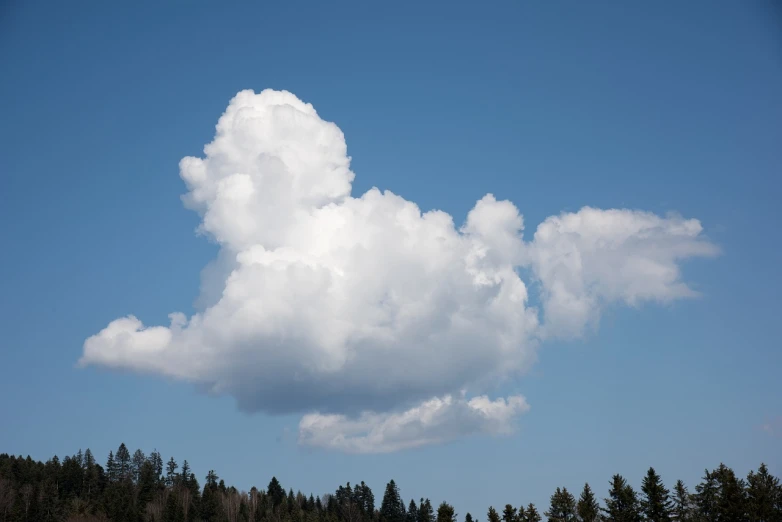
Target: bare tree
[(6, 497), (350, 511), (155, 507), (254, 499), (231, 501), (185, 496), (27, 498)]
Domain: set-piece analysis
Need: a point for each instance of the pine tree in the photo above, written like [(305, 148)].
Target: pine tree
[(157, 463), (492, 515), (291, 501), (123, 462), (622, 504), (468, 518), (367, 499), (412, 512), (706, 498), (425, 511), (562, 507), (731, 501), (763, 493), (656, 504), (49, 508), (587, 508), (91, 477), (274, 490), (147, 482), (174, 512), (531, 514), (72, 478), (184, 475), (138, 461), (446, 513), (111, 467), (682, 503), (89, 460), (171, 475), (392, 509), (210, 501), (509, 513)]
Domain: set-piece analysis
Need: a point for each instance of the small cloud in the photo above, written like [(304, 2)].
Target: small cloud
[(433, 422), (773, 426)]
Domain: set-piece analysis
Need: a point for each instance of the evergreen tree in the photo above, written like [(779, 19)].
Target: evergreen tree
[(174, 511), (274, 490), (210, 500), (446, 513), (111, 467), (184, 475), (468, 518), (157, 463), (682, 503), (392, 509), (138, 461), (171, 475), (49, 508), (91, 477), (562, 507), (367, 499), (509, 513), (72, 478), (492, 515), (731, 501), (123, 462), (622, 502), (588, 509), (706, 494), (291, 501), (425, 511), (211, 479), (521, 515), (531, 514), (147, 482), (656, 504), (412, 512), (763, 496), (89, 460)]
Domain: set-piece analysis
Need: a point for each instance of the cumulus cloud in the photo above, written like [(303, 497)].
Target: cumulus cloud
[(587, 259), (434, 421), (365, 313)]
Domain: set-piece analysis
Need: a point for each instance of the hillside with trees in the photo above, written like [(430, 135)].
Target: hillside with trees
[(145, 488)]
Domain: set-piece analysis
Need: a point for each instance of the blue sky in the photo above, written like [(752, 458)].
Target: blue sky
[(553, 106)]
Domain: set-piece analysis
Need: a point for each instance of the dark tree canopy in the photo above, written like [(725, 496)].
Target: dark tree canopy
[(132, 487)]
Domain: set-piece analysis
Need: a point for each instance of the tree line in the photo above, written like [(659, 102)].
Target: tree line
[(141, 488)]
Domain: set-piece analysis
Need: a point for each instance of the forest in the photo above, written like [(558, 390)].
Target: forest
[(141, 488)]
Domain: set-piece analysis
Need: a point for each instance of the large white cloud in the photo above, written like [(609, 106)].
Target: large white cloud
[(366, 313)]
